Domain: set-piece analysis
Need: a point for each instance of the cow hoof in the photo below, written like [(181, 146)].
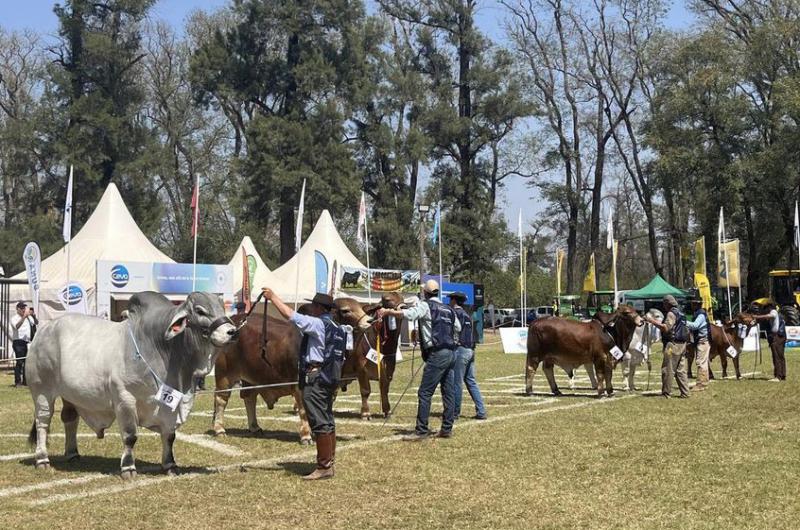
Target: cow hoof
[(256, 432), (557, 392), (387, 415), (528, 390), (172, 471), (221, 433), (44, 465), (128, 474), (101, 434), (74, 457), (305, 441), (366, 417)]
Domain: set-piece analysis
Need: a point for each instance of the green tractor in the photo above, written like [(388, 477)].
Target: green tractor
[(600, 301), (784, 292)]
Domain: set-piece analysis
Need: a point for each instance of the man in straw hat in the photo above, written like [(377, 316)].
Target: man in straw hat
[(675, 335)]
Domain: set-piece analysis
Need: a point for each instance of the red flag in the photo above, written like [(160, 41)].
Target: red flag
[(245, 282), (195, 209)]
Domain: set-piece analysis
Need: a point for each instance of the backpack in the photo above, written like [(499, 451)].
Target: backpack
[(442, 324), (466, 338), (335, 344), (679, 333)]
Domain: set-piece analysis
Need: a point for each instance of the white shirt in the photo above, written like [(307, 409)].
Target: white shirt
[(774, 315), (24, 330)]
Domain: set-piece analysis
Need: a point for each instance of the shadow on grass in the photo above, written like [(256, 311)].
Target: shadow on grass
[(281, 436), (110, 466), (297, 468)]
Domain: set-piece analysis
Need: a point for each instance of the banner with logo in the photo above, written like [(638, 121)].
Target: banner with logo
[(32, 257), (515, 340), (73, 298), (590, 280), (321, 269), (729, 277), (383, 280)]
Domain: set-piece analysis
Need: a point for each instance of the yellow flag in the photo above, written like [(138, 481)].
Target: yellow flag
[(729, 277), (590, 282), (700, 256), (559, 266), (704, 287)]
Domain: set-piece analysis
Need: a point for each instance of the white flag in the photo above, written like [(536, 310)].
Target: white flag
[(519, 224), (298, 231), (362, 218), (610, 231), (67, 230), (721, 229), (796, 226)]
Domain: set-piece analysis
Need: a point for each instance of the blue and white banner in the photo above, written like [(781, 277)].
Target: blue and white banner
[(73, 298)]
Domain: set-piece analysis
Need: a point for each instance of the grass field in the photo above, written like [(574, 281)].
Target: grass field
[(726, 458)]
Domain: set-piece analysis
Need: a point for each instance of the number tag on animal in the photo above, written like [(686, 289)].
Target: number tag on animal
[(169, 396), (642, 348), (349, 344), (742, 331), (616, 353), (392, 323), (372, 355), (732, 351)]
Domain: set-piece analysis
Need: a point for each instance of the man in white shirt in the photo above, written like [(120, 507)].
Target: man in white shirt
[(23, 324), (776, 337)]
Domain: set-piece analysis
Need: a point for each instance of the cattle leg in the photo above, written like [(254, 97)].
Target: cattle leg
[(591, 373), (736, 367), (600, 371), (551, 378), (386, 378), (70, 418), (125, 410), (724, 360), (168, 464), (41, 427), (220, 403), (364, 386), (690, 354), (531, 364), (305, 428), (250, 401)]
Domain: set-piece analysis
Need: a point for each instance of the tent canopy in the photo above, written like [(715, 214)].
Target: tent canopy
[(315, 262), (110, 233), (657, 288), (262, 276)]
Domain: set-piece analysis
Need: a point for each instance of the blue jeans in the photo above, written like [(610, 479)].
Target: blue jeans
[(439, 369), (465, 372)]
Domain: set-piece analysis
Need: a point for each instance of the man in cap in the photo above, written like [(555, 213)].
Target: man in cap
[(674, 334), (700, 333), (465, 358), (320, 364), (439, 329), (23, 327)]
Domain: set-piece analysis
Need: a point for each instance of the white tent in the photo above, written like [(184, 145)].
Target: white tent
[(263, 277), (315, 262), (110, 233)]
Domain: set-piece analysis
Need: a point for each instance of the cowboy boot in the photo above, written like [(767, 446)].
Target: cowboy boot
[(324, 468)]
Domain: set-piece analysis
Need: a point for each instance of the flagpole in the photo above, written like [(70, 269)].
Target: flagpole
[(68, 227), (725, 258), (739, 262), (196, 230), (797, 233), (521, 271), (369, 271), (614, 260), (441, 274)]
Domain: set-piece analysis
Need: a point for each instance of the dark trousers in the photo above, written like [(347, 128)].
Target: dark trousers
[(20, 348), (776, 344), (318, 402)]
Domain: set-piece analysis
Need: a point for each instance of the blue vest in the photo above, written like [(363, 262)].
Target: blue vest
[(442, 326), (679, 333), (703, 332), (466, 338), (333, 353)]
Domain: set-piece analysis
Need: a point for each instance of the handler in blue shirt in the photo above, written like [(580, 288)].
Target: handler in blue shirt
[(465, 358), (318, 394), (439, 328), (700, 331)]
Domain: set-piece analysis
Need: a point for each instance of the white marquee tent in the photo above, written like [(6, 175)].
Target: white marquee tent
[(262, 277), (315, 262), (110, 233)]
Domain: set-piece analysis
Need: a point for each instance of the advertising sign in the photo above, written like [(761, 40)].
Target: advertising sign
[(73, 299), (515, 340)]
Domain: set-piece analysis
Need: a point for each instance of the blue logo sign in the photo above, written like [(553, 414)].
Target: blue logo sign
[(119, 276), (75, 295)]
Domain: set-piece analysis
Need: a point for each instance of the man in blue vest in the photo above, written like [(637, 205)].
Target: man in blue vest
[(700, 332), (439, 328), (320, 364), (465, 358), (675, 335)]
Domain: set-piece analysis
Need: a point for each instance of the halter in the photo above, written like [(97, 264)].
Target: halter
[(206, 331)]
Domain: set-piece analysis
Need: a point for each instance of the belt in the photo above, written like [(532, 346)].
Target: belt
[(310, 367)]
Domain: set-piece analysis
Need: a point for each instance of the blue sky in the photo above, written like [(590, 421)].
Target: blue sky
[(38, 14)]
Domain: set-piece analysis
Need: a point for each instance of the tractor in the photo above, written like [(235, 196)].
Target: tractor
[(784, 291)]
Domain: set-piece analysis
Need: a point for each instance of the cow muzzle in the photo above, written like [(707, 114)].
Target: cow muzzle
[(221, 331)]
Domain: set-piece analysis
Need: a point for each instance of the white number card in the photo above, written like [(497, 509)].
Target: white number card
[(169, 396), (732, 351), (372, 355), (641, 347), (617, 353)]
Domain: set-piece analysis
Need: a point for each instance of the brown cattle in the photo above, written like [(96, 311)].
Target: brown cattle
[(569, 344), (358, 366), (722, 337)]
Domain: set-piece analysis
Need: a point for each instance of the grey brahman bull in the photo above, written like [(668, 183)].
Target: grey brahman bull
[(126, 371)]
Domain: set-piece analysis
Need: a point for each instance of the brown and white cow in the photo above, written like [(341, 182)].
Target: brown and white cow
[(723, 337), (569, 344)]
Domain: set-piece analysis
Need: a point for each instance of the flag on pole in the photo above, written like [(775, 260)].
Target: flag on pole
[(437, 219), (610, 231), (729, 265), (590, 280), (796, 226), (195, 205), (67, 229), (362, 218), (245, 280), (559, 266), (700, 256), (298, 231)]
